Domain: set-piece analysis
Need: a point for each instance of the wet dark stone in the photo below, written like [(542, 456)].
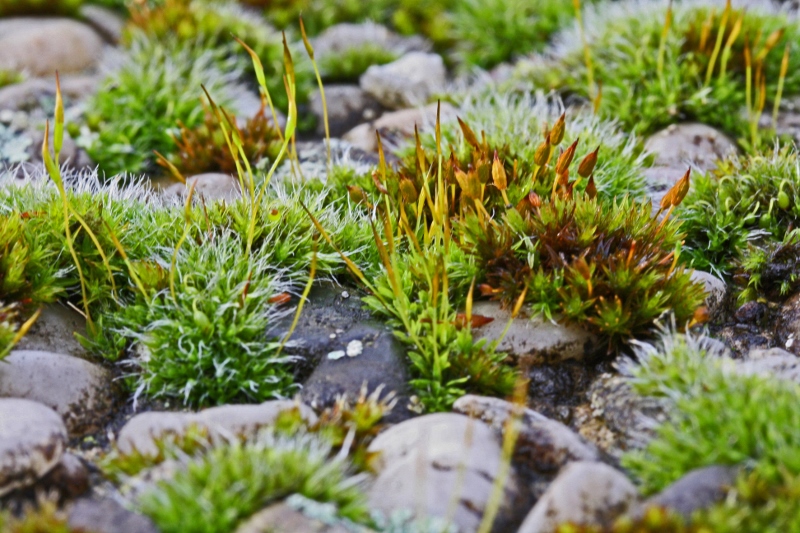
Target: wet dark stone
[(555, 388), (329, 323), (751, 313)]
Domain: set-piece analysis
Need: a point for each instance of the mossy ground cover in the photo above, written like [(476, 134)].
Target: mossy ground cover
[(522, 201), (649, 66)]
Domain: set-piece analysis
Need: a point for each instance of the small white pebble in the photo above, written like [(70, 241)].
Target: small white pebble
[(345, 295), (790, 342), (338, 354), (332, 336), (339, 331), (354, 348)]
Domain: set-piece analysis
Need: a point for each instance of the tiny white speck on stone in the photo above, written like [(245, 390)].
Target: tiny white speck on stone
[(354, 348), (790, 342), (339, 331), (337, 354), (332, 336), (345, 295)]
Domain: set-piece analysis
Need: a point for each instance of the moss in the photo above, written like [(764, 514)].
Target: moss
[(487, 33), (110, 212), (772, 271), (217, 490), (141, 103), (23, 8), (44, 517), (210, 25), (750, 199), (28, 275), (647, 89), (203, 148), (350, 64), (516, 124), (606, 264), (717, 417), (9, 77)]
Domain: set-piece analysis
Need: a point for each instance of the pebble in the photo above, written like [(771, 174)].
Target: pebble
[(543, 446), (697, 490), (32, 441), (715, 290), (346, 36), (336, 354), (397, 127), (354, 348), (374, 358), (680, 145), (281, 518), (105, 22), (626, 415), (54, 331), (409, 81), (212, 186), (584, 493), (443, 465), (142, 431), (775, 362), (535, 339), (104, 515), (348, 106), (40, 46), (80, 391)]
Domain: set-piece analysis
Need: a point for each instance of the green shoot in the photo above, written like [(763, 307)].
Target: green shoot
[(310, 51)]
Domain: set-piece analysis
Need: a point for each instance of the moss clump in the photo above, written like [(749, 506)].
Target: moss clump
[(204, 327), (218, 489), (717, 417), (9, 77), (487, 33), (140, 105), (354, 422), (408, 17), (203, 148), (44, 517), (351, 63), (750, 200), (649, 82), (29, 275), (516, 126), (210, 25), (111, 213), (24, 8), (608, 264), (772, 270)]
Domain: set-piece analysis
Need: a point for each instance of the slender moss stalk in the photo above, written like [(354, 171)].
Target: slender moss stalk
[(726, 53), (187, 214), (662, 45), (718, 44), (310, 51), (779, 92)]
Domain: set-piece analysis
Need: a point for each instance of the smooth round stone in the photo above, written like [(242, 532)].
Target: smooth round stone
[(32, 441), (42, 46), (76, 389)]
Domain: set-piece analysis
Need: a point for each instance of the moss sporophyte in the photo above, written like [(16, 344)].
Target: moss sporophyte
[(523, 233)]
